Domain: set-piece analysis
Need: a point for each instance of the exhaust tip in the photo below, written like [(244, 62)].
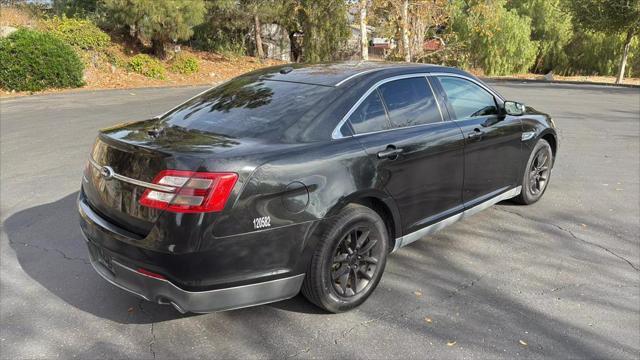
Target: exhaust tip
[(165, 301)]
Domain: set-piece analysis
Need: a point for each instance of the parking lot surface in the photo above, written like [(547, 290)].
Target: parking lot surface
[(558, 279)]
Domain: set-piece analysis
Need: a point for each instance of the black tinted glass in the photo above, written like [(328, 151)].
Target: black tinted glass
[(410, 102), (467, 99), (247, 107), (369, 116)]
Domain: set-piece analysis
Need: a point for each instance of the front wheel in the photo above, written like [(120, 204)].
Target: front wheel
[(349, 260), (536, 174)]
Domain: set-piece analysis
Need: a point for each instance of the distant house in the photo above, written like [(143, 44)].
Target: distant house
[(433, 45), (379, 48)]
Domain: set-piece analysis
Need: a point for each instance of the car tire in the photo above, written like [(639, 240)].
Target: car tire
[(348, 261), (537, 174)]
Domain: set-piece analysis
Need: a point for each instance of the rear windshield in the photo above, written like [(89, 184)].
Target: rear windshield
[(246, 107)]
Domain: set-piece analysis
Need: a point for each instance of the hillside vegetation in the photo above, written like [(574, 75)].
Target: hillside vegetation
[(98, 60), (133, 43)]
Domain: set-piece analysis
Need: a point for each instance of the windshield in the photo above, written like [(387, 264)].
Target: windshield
[(247, 107)]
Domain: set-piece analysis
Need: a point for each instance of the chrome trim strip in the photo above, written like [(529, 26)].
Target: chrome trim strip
[(144, 184), (419, 234), (336, 131), (528, 135), (492, 92), (356, 75)]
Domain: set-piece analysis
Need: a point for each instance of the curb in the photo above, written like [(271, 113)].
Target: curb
[(81, 90), (570, 82), (490, 79)]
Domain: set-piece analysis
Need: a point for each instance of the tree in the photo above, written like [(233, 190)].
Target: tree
[(551, 29), (423, 19), (597, 53), (497, 40), (325, 28), (156, 21), (256, 11), (72, 8), (610, 16), (364, 45), (405, 31)]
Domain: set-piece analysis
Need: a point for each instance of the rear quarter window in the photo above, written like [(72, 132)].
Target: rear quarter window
[(370, 116)]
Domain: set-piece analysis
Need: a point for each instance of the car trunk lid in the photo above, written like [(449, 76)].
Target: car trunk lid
[(124, 162)]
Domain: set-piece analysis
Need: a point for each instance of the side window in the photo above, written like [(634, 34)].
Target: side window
[(467, 99), (410, 102), (370, 115)]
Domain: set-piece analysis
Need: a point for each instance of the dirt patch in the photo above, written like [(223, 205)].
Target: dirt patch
[(108, 70), (213, 69)]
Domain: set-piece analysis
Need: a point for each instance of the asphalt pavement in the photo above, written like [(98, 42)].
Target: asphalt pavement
[(557, 279)]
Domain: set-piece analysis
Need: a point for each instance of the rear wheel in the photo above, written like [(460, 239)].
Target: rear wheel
[(537, 173), (349, 260)]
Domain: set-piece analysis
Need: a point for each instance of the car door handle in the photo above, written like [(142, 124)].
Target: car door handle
[(391, 152), (475, 135)]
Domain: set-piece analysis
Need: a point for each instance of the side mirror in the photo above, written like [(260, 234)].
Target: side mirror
[(514, 108)]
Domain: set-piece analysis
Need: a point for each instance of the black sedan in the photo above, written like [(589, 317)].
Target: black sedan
[(302, 178)]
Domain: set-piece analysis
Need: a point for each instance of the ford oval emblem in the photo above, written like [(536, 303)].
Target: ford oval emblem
[(107, 172)]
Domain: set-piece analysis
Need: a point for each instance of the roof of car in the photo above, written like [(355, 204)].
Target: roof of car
[(336, 74)]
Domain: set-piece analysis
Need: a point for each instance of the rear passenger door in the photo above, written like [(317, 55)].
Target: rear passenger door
[(493, 140), (417, 154)]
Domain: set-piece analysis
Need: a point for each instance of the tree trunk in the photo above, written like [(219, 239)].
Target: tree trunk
[(625, 54), (259, 50), (296, 51), (364, 44), (157, 46), (405, 31)]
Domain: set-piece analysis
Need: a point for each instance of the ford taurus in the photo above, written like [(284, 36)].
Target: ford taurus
[(302, 178)]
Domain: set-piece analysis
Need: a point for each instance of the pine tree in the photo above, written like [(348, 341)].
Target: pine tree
[(157, 21)]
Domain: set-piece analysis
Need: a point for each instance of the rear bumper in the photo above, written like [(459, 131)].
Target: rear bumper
[(116, 261), (164, 292)]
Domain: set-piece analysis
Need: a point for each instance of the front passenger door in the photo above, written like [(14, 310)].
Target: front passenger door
[(493, 142)]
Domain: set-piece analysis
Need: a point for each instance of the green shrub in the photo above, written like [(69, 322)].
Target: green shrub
[(498, 40), (79, 33), (33, 61), (185, 64), (146, 65)]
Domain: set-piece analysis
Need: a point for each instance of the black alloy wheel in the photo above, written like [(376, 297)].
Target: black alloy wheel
[(355, 262), (537, 173), (348, 261)]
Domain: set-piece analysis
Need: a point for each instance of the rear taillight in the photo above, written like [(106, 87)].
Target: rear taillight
[(193, 191)]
